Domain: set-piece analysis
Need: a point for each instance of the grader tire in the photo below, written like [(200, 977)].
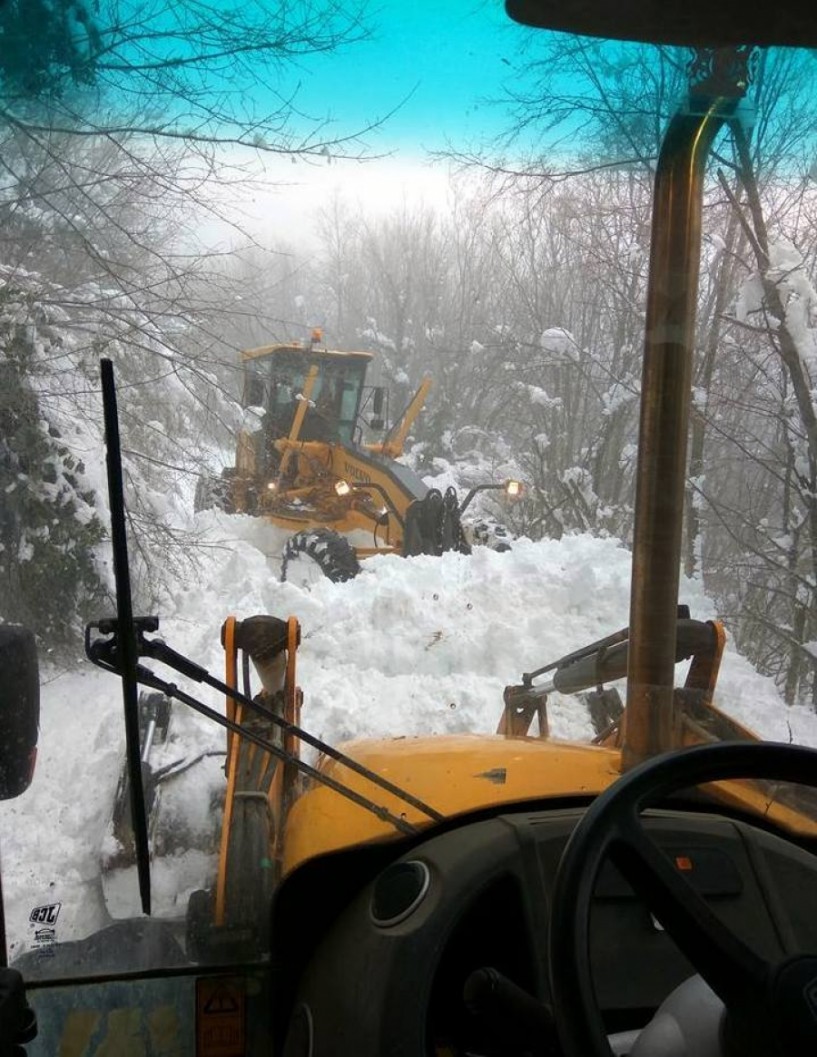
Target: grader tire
[(332, 553)]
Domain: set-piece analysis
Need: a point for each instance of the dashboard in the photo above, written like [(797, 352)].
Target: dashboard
[(449, 944), (442, 951)]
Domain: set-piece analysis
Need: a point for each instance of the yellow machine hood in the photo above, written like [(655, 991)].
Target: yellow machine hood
[(453, 774)]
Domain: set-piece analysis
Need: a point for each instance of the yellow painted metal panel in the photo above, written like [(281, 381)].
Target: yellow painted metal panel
[(461, 774), (455, 775), (273, 350)]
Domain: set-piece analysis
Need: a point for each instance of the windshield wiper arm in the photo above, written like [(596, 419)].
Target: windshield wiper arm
[(129, 657)]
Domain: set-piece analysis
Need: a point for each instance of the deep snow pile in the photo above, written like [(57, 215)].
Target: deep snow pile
[(422, 645)]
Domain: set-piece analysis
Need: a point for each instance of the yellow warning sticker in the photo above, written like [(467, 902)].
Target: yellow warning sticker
[(220, 1024)]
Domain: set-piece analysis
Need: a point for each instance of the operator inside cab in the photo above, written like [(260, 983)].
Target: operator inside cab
[(321, 420)]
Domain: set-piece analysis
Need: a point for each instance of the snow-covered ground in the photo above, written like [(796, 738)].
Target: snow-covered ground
[(422, 645)]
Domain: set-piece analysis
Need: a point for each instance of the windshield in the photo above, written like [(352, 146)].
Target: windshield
[(469, 201)]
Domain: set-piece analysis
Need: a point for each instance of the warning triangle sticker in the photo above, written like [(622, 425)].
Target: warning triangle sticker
[(222, 1001)]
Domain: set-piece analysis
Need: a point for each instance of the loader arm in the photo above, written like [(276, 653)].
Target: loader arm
[(392, 445), (258, 788)]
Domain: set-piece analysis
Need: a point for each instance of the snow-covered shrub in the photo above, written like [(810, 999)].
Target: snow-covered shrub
[(49, 524), (55, 566)]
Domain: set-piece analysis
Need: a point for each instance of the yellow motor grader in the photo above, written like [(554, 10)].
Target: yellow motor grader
[(303, 465)]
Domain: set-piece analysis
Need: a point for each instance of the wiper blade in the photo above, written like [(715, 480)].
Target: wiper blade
[(129, 657)]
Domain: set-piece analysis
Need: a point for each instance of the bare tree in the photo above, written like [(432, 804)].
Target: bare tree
[(122, 127), (751, 510)]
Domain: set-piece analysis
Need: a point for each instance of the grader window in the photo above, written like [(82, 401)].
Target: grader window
[(337, 396), (351, 379), (348, 402), (276, 381), (287, 375), (253, 395)]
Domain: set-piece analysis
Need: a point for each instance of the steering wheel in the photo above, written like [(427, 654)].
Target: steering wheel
[(771, 1009)]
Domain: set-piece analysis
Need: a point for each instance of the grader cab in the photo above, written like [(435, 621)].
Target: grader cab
[(274, 381), (302, 463)]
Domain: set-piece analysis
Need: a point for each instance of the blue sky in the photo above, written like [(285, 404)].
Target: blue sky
[(438, 64), (441, 61)]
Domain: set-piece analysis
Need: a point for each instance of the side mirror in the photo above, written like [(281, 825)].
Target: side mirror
[(19, 709), (378, 422)]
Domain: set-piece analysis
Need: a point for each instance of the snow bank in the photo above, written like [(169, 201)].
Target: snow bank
[(422, 645)]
